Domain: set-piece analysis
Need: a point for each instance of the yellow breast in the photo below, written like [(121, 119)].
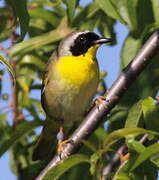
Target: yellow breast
[(78, 70)]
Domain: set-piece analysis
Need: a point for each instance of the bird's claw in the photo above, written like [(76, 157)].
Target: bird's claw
[(99, 100), (61, 147)]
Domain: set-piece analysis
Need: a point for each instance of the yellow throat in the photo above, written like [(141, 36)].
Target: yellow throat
[(78, 70)]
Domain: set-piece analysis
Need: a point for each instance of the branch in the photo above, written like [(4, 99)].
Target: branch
[(14, 99), (95, 116), (2, 48), (116, 158), (14, 87)]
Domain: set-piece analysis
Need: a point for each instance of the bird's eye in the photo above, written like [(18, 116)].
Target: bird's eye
[(82, 39)]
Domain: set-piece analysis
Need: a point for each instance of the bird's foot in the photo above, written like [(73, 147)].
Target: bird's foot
[(99, 100), (60, 135), (62, 143), (61, 147)]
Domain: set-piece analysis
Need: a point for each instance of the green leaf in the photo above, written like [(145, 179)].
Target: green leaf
[(56, 171), (147, 153), (106, 27), (121, 175), (5, 27), (90, 24), (38, 41), (5, 34), (20, 10), (125, 132), (22, 130), (151, 114), (35, 110), (135, 145), (118, 116), (44, 14), (36, 106), (134, 116), (146, 84), (24, 84), (155, 6), (131, 15), (9, 67), (144, 19), (26, 75), (94, 159), (32, 60), (122, 10), (37, 27), (149, 170), (129, 49), (3, 133), (46, 49), (3, 20), (145, 171), (100, 134), (34, 43), (155, 159), (110, 8), (89, 145), (71, 6), (86, 12)]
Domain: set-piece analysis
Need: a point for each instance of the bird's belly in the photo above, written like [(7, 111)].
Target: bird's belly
[(71, 102), (71, 89)]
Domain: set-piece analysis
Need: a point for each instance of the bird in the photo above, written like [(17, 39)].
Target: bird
[(69, 84)]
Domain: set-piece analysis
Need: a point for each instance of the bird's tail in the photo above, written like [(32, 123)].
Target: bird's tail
[(46, 143)]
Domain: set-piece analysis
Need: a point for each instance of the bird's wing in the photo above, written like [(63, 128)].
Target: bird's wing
[(47, 140), (46, 78)]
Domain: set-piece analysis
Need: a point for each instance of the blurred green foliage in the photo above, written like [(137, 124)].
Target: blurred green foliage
[(46, 22)]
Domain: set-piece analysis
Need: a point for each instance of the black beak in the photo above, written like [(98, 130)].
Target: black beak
[(102, 41)]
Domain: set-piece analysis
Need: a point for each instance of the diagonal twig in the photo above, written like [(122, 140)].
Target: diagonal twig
[(116, 158), (95, 116)]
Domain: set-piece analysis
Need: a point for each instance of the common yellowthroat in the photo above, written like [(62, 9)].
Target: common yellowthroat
[(70, 82)]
